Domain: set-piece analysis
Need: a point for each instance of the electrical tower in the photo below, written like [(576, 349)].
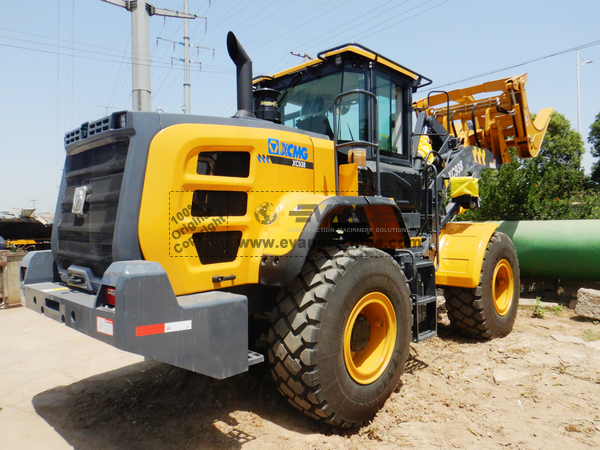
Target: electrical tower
[(141, 69)]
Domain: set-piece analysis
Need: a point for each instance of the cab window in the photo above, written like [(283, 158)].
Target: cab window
[(308, 105), (352, 114), (389, 101)]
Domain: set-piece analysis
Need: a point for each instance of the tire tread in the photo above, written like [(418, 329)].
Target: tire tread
[(293, 349)]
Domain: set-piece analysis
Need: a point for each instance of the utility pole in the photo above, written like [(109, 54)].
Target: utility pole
[(187, 102), (187, 99), (578, 96), (141, 69)]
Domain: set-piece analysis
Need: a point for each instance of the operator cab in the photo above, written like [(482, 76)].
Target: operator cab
[(307, 93), (379, 118)]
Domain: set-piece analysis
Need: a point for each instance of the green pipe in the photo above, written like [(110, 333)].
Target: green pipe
[(563, 249)]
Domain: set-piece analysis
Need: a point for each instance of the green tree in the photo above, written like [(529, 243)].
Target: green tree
[(557, 171), (594, 139), (549, 186)]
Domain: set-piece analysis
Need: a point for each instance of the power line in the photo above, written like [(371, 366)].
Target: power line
[(289, 30), (361, 18), (262, 19), (214, 69), (72, 83), (250, 25), (118, 55), (58, 130), (53, 39), (529, 61), (233, 12), (266, 37), (379, 29), (119, 72)]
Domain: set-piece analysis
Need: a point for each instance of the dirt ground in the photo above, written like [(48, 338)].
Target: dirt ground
[(529, 390)]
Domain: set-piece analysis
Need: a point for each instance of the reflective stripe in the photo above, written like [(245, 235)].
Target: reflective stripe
[(160, 328)]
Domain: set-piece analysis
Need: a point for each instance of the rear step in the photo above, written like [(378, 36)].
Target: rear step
[(424, 317), (423, 295), (255, 358)]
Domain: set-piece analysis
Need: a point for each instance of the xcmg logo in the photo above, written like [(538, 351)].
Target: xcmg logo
[(281, 148)]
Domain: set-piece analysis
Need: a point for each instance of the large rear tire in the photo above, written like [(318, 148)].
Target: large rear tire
[(341, 334), (488, 311)]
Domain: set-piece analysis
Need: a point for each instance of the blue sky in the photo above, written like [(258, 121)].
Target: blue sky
[(64, 62)]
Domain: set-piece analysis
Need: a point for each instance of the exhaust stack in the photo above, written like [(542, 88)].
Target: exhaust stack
[(244, 76)]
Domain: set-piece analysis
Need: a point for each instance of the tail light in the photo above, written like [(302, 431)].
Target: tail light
[(110, 294)]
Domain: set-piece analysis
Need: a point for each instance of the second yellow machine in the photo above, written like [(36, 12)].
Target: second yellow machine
[(312, 228)]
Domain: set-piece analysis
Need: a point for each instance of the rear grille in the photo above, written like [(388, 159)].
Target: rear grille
[(87, 240), (217, 246)]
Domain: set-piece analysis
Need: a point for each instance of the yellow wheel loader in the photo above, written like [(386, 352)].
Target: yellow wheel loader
[(310, 229)]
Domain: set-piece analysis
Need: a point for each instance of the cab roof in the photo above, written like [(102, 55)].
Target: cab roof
[(418, 79)]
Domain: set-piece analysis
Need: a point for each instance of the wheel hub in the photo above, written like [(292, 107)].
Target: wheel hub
[(361, 333), (369, 337), (502, 287)]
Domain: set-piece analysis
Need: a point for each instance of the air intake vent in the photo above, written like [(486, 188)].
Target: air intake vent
[(224, 164), (218, 246), (88, 129), (219, 203), (73, 136), (99, 126)]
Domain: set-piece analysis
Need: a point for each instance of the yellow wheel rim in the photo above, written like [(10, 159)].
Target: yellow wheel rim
[(369, 337), (503, 287)]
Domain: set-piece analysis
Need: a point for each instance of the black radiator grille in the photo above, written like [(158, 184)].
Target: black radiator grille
[(86, 240)]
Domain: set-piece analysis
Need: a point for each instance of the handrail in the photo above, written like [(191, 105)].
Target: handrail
[(436, 212)]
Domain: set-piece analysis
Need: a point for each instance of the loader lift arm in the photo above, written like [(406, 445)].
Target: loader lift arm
[(493, 115), (471, 129)]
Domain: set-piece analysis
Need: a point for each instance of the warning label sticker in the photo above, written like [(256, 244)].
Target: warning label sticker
[(104, 326)]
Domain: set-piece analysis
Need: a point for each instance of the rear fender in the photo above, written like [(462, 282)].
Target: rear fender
[(279, 266)]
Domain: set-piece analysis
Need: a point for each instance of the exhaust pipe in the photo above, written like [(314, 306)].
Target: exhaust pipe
[(244, 76)]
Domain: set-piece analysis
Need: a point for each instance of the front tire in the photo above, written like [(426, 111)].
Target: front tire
[(341, 334), (488, 311)]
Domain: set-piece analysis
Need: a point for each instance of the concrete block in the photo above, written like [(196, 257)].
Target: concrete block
[(588, 303)]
